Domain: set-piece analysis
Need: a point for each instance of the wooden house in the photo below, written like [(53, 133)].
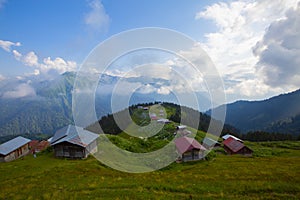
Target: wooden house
[(232, 146), (74, 142), (14, 149), (189, 149)]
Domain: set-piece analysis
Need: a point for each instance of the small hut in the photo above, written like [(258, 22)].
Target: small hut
[(14, 149), (74, 142), (232, 146), (189, 149)]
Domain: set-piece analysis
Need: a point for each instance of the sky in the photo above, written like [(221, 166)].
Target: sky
[(254, 44)]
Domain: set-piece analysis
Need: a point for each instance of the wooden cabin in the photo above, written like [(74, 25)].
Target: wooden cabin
[(74, 142), (14, 149), (189, 149), (232, 146)]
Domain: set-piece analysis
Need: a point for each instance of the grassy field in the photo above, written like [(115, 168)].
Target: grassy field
[(272, 173)]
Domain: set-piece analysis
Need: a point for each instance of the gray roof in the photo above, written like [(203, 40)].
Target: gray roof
[(225, 137), (209, 142), (61, 133), (74, 135), (13, 144)]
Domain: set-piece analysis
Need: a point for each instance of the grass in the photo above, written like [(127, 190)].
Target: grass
[(272, 176)]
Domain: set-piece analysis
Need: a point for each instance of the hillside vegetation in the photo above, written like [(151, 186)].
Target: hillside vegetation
[(272, 173), (141, 117)]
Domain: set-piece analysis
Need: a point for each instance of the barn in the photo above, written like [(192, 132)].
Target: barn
[(14, 149), (232, 146), (189, 149), (74, 142)]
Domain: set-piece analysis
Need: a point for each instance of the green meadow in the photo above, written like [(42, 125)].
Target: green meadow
[(273, 172)]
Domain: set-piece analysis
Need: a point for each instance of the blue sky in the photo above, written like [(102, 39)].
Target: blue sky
[(244, 38)]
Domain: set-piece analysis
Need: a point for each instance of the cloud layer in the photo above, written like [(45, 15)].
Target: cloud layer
[(47, 67), (279, 52), (22, 90), (241, 24)]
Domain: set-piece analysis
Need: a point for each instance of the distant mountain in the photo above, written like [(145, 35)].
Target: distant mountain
[(31, 105), (45, 110), (278, 114)]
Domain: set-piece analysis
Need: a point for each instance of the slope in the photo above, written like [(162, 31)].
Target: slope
[(277, 114)]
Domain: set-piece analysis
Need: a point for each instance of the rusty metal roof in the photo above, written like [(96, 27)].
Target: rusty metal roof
[(13, 144), (233, 144), (75, 135), (184, 144)]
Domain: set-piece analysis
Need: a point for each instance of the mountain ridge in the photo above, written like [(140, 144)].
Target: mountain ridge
[(266, 115)]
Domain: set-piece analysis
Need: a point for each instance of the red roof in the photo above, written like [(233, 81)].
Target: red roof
[(233, 144), (184, 144)]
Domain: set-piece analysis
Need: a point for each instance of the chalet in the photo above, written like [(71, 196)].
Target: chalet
[(232, 146), (189, 149), (209, 143), (225, 137), (14, 149), (74, 142)]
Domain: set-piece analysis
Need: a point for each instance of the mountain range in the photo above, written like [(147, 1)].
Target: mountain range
[(32, 106), (35, 106), (279, 114)]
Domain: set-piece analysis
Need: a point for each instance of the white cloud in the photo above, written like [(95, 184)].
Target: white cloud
[(165, 90), (17, 54), (241, 24), (58, 64), (97, 18), (22, 90), (6, 45), (146, 89), (48, 66), (31, 59), (279, 52)]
